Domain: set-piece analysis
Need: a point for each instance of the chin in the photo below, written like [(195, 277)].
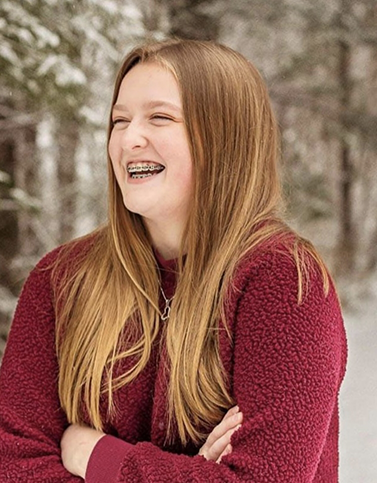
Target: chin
[(137, 208)]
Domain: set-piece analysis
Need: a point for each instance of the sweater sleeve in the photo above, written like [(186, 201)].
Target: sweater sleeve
[(289, 361), (31, 420)]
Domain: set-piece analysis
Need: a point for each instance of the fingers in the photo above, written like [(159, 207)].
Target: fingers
[(226, 451), (230, 421), (218, 442), (231, 412), (222, 444)]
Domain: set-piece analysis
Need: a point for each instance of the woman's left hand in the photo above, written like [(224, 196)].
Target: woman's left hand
[(218, 444), (76, 445)]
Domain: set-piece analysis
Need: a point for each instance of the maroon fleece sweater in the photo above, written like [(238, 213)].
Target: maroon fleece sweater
[(285, 362)]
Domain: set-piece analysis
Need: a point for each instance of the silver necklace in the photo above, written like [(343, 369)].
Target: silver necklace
[(166, 313)]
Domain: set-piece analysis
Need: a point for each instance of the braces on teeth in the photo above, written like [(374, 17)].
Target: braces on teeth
[(139, 176), (148, 167)]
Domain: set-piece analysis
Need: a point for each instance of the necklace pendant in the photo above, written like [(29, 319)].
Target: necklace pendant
[(166, 314)]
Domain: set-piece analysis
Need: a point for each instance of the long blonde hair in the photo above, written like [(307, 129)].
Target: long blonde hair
[(107, 303)]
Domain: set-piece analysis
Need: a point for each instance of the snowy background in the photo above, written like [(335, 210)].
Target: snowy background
[(358, 404), (57, 65)]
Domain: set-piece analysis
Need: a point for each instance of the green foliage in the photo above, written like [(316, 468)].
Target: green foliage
[(43, 44), (38, 53)]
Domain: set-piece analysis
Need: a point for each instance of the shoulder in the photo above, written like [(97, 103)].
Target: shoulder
[(284, 274), (70, 251), (55, 263), (34, 317), (272, 259), (266, 303), (270, 320)]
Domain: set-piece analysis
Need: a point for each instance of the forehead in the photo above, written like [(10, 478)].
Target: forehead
[(148, 83)]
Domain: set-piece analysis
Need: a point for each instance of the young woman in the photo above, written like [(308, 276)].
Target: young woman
[(195, 301)]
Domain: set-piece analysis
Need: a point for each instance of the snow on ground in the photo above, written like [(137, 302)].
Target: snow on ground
[(358, 399)]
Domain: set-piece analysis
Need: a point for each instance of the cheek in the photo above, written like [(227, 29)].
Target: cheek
[(186, 182), (117, 170), (182, 161), (187, 167), (113, 148), (115, 154)]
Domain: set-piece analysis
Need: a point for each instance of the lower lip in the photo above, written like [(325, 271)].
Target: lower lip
[(142, 180)]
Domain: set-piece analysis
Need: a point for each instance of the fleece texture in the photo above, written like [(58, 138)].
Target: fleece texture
[(285, 363)]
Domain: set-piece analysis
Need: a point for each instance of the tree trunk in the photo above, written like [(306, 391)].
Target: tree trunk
[(67, 137), (347, 236), (8, 214), (26, 175)]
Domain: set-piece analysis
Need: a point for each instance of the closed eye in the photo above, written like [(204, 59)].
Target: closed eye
[(118, 121), (161, 117)]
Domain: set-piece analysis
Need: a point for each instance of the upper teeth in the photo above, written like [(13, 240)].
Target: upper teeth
[(144, 167)]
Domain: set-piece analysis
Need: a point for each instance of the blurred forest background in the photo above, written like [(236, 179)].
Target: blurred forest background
[(58, 60)]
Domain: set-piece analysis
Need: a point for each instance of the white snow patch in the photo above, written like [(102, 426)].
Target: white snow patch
[(33, 86), (25, 35), (7, 302), (358, 399), (5, 177), (92, 34), (7, 53), (92, 116), (45, 37), (131, 12), (69, 74), (50, 61), (65, 72), (24, 198)]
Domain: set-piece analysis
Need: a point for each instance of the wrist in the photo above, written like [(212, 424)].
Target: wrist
[(77, 445)]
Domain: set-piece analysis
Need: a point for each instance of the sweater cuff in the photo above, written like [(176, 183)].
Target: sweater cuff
[(106, 459)]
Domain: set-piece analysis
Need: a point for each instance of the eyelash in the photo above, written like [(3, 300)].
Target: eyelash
[(154, 116), (161, 116), (117, 121)]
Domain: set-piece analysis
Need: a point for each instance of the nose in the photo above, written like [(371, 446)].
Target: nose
[(134, 136)]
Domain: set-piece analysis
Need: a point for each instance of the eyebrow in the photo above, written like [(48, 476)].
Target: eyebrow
[(151, 105)]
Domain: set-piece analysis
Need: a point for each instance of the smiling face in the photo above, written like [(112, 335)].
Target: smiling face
[(148, 146)]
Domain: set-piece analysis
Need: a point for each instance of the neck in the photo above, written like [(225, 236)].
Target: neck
[(166, 237)]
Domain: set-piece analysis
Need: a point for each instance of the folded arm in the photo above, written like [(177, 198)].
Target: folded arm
[(288, 364)]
